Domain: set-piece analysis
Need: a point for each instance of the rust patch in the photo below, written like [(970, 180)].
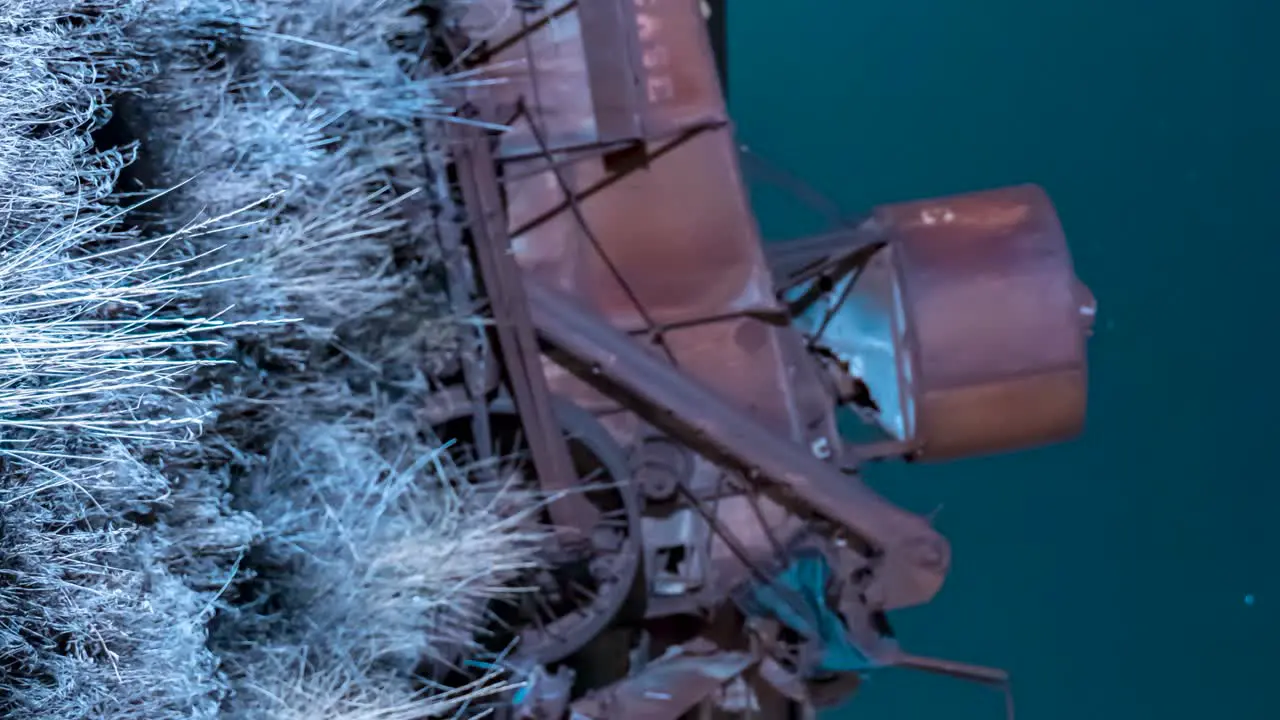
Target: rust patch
[(993, 317)]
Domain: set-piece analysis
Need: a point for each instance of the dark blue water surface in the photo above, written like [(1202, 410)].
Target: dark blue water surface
[(1133, 573)]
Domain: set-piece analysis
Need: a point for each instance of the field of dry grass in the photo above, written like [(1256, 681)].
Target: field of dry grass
[(220, 304)]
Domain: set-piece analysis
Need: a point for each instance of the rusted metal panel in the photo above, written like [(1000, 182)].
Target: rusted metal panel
[(680, 232), (678, 72), (597, 72), (741, 358), (993, 321)]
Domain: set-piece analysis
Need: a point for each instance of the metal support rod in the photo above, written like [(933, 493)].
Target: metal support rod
[(796, 261), (991, 677)]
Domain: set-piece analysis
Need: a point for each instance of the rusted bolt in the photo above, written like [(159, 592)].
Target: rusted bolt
[(659, 486), (661, 465)]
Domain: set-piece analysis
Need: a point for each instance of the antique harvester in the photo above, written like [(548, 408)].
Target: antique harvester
[(673, 385)]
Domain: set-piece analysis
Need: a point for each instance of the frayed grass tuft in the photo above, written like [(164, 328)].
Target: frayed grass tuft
[(216, 501), (378, 554), (95, 346)]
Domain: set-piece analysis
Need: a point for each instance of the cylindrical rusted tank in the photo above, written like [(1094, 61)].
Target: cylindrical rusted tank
[(991, 322)]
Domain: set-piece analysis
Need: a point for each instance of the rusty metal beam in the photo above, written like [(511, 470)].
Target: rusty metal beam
[(911, 558), (517, 342), (613, 69)]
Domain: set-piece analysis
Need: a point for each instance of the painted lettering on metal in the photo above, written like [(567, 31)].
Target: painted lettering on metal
[(655, 55)]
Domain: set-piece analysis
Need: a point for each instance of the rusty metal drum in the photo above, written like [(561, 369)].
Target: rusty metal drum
[(992, 322)]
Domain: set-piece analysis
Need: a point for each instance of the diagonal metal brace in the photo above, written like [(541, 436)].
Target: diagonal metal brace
[(910, 558)]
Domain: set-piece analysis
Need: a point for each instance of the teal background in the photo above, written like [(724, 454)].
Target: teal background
[(1109, 574)]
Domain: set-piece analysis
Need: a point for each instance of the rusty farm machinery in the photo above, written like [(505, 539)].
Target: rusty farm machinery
[(671, 383)]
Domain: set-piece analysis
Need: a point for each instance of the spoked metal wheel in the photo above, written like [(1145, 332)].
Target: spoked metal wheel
[(585, 582)]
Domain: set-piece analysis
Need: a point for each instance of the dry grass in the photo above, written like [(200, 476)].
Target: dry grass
[(294, 692), (94, 344), (373, 553), (318, 100), (173, 454), (377, 555)]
